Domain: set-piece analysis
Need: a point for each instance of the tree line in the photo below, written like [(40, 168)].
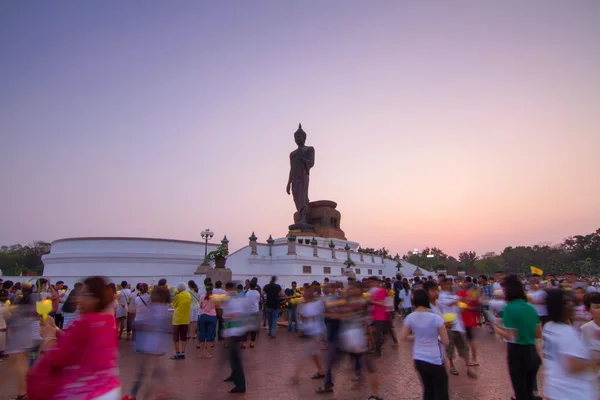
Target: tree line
[(579, 254), (19, 260)]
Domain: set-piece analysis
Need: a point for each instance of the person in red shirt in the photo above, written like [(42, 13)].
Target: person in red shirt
[(81, 362), (470, 316), (379, 313)]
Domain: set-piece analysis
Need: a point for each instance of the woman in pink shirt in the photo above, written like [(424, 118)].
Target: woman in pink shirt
[(207, 322), (82, 362)]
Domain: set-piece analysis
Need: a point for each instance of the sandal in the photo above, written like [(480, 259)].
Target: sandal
[(453, 371), (251, 345), (325, 389), (472, 374), (473, 364), (318, 375)]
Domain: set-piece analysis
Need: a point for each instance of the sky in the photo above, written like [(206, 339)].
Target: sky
[(464, 125)]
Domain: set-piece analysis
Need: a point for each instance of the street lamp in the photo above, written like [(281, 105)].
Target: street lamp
[(430, 256), (416, 253), (206, 235)]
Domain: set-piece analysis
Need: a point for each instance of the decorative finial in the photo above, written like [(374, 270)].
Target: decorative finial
[(299, 126), (346, 247), (270, 240), (314, 241), (292, 238), (331, 245), (225, 241), (253, 237)]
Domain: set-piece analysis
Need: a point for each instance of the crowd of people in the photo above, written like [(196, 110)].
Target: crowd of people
[(63, 343)]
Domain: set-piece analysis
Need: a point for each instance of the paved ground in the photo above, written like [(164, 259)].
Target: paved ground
[(269, 366)]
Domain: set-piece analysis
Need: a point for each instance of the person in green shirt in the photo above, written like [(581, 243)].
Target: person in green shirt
[(521, 328)]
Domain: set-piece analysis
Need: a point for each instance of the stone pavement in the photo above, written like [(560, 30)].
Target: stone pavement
[(271, 363)]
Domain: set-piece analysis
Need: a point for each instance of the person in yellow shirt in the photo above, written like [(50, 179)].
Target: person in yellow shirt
[(182, 305)]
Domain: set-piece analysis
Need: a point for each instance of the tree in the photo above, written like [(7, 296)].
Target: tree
[(468, 259), (18, 259)]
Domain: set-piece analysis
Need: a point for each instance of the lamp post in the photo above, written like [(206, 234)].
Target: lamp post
[(430, 256), (416, 253), (206, 235)]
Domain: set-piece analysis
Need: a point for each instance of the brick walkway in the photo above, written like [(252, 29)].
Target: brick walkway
[(269, 366)]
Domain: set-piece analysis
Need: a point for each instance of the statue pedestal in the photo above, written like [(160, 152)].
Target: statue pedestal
[(202, 269), (219, 274), (324, 220), (302, 228), (348, 272)]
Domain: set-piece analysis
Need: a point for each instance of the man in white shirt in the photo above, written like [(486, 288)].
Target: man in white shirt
[(448, 303)]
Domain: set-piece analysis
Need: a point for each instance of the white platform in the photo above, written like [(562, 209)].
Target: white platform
[(148, 260)]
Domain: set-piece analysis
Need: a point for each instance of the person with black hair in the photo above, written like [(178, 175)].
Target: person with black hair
[(151, 343), (590, 332), (292, 307), (123, 299), (430, 338), (207, 322), (195, 309), (90, 371), (69, 307), (521, 328), (19, 338), (417, 283), (406, 299), (131, 310), (448, 303), (397, 287), (274, 295), (162, 282), (433, 291), (569, 369), (254, 297), (218, 289), (142, 306)]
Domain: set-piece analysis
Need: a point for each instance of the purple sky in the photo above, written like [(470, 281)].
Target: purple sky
[(465, 125)]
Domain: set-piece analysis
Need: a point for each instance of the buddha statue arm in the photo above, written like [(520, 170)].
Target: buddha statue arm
[(309, 159)]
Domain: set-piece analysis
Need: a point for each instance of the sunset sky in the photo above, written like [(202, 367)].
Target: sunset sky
[(469, 125)]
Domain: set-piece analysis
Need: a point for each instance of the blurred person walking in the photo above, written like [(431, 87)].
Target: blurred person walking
[(152, 343), (235, 313), (81, 362), (21, 338)]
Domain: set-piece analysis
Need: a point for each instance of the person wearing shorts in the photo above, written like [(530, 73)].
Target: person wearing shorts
[(182, 305)]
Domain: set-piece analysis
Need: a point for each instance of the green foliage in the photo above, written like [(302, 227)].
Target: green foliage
[(579, 254), (17, 259), (383, 252), (221, 251), (349, 263)]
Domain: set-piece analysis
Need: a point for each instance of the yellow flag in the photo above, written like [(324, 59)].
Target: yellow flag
[(536, 271)]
